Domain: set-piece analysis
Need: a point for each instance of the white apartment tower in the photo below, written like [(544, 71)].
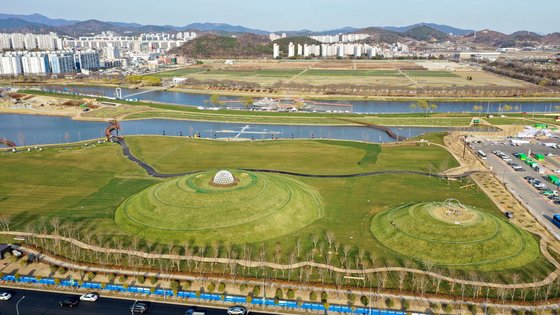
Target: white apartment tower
[(276, 51), (10, 65), (112, 52), (291, 50)]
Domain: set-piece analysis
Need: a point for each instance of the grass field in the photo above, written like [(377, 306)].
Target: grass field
[(377, 73), (177, 73), (470, 238), (259, 207), (80, 185), (84, 187), (312, 157)]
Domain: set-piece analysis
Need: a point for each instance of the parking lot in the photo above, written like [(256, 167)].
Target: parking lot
[(541, 206)]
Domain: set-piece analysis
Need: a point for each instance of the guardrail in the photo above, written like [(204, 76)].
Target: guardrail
[(207, 297)]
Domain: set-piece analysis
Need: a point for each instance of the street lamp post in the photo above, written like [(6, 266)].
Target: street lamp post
[(17, 304)]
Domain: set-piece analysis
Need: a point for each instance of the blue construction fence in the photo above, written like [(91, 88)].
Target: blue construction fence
[(209, 297)]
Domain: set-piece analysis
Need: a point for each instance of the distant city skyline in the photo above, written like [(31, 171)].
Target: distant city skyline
[(317, 15)]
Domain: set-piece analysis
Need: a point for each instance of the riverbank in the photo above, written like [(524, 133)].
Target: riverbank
[(307, 96), (131, 110)]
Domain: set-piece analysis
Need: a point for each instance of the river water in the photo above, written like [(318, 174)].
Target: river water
[(370, 107), (37, 129)]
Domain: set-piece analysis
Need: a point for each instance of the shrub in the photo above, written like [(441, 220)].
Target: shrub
[(122, 278), (405, 304), (256, 290), (174, 285), (90, 275), (56, 281), (61, 270), (221, 287), (211, 287), (53, 268), (447, 308), (17, 276), (365, 300), (243, 288), (472, 308), (324, 296), (291, 294), (249, 299), (153, 280), (313, 296), (351, 298), (111, 277), (186, 285), (389, 302), (141, 279), (279, 294)]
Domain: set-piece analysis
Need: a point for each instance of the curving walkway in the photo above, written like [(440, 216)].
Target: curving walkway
[(255, 264)]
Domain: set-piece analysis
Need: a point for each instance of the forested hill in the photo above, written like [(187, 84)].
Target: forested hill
[(215, 46)]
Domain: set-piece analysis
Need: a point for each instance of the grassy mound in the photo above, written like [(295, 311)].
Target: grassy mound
[(468, 238), (258, 207)]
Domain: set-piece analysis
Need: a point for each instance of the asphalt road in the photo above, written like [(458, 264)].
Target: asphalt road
[(539, 204), (46, 303)]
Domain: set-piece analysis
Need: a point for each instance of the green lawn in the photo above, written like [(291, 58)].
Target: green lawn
[(416, 121), (177, 73), (352, 73), (175, 155), (78, 184), (259, 207), (84, 187), (431, 74), (474, 241)]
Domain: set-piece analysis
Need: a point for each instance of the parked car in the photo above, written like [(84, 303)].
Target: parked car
[(140, 307), (237, 310), (70, 302), (4, 296), (90, 297)]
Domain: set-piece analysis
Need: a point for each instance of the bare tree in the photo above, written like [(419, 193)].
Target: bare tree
[(5, 221), (298, 247), (315, 240), (329, 235)]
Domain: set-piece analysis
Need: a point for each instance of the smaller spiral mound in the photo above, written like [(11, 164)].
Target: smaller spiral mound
[(454, 235), (224, 178)]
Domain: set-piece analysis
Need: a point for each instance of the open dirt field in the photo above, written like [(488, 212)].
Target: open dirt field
[(381, 74)]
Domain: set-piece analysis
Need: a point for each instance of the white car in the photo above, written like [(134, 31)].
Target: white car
[(237, 310), (4, 296), (90, 297)]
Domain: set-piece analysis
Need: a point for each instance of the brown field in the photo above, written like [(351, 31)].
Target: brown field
[(374, 74)]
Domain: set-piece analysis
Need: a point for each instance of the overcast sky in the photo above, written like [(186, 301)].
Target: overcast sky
[(503, 15)]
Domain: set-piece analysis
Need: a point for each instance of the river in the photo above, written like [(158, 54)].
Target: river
[(37, 130), (367, 107)]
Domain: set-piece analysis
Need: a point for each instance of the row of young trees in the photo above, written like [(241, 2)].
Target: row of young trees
[(373, 90), (323, 249)]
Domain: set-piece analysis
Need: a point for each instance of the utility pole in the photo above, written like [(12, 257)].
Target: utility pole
[(17, 304)]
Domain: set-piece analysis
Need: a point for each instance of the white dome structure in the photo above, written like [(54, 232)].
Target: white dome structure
[(224, 178)]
